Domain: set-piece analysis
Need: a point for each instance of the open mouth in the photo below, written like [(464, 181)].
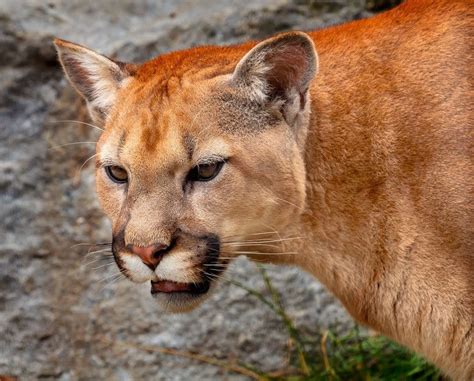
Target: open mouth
[(171, 287)]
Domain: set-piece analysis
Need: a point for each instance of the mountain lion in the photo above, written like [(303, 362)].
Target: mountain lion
[(347, 152)]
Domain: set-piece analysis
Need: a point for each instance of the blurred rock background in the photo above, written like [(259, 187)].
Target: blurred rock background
[(61, 319)]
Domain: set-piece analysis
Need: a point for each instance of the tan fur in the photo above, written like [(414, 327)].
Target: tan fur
[(367, 176)]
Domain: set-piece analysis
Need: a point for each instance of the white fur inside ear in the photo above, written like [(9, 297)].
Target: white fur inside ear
[(279, 68), (96, 77), (255, 75), (104, 85)]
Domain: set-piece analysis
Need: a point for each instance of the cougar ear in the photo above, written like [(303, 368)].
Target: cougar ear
[(279, 69), (94, 76)]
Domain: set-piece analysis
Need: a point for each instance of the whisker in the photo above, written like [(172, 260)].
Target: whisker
[(216, 277), (70, 144), (106, 265), (111, 276), (222, 265), (97, 260), (99, 256), (114, 280), (253, 259), (103, 252), (265, 240), (78, 175), (260, 253), (252, 234), (237, 244), (276, 199), (91, 244), (77, 121), (99, 251), (256, 254)]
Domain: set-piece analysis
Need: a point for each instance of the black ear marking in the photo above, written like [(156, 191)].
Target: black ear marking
[(303, 99)]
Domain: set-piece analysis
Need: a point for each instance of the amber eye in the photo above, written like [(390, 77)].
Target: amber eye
[(205, 172), (116, 174)]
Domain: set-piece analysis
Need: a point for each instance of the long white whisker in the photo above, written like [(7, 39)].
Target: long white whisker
[(91, 244), (216, 277), (256, 253), (239, 244), (98, 251), (77, 121), (257, 241), (83, 164), (117, 278), (260, 253), (106, 265), (253, 259), (251, 234), (98, 257), (215, 265), (103, 252), (111, 276), (70, 144), (98, 260), (277, 232)]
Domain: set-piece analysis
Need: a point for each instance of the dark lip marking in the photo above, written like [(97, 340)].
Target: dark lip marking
[(192, 289), (117, 246), (212, 258), (118, 237)]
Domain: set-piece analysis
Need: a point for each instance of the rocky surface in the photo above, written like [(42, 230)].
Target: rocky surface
[(62, 317)]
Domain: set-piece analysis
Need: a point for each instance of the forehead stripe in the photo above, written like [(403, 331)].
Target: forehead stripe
[(121, 143), (189, 145)]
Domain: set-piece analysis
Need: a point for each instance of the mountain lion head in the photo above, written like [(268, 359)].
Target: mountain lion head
[(201, 158)]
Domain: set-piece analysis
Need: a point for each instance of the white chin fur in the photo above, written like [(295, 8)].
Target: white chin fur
[(137, 271)]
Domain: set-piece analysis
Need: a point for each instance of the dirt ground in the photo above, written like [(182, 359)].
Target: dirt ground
[(62, 318)]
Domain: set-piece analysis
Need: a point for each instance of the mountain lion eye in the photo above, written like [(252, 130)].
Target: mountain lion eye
[(205, 172), (116, 174)]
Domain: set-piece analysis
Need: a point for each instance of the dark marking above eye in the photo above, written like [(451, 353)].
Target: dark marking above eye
[(121, 143), (189, 145), (152, 134)]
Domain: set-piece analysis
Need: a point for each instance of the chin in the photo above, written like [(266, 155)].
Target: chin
[(183, 301)]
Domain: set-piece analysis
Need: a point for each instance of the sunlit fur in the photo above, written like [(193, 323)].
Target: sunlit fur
[(369, 172)]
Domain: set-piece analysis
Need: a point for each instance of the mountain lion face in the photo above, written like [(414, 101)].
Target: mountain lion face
[(200, 159)]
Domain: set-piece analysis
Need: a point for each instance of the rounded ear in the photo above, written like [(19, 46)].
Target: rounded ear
[(95, 77), (278, 69)]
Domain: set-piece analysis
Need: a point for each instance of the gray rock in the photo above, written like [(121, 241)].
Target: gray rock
[(61, 318)]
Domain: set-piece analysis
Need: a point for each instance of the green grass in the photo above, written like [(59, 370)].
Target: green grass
[(333, 357)]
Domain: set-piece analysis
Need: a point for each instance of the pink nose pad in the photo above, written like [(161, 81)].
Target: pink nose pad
[(150, 255)]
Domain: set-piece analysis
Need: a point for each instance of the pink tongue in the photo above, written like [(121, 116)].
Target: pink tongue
[(168, 286)]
